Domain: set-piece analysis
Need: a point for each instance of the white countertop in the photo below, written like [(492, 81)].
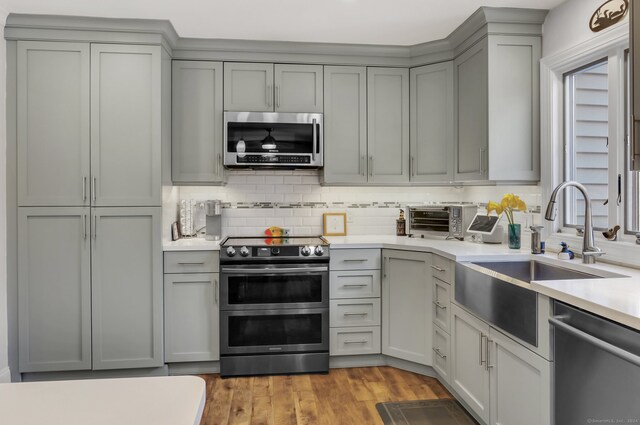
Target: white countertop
[(167, 400), (612, 297)]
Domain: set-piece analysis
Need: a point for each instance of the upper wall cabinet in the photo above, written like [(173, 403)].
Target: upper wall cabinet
[(432, 123), (263, 87), (197, 128), (388, 124), (497, 99), (345, 124), (126, 125), (53, 123)]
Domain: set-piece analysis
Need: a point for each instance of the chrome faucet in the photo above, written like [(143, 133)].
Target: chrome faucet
[(589, 249)]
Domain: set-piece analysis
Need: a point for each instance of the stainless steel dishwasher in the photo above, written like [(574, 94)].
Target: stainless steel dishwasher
[(596, 369)]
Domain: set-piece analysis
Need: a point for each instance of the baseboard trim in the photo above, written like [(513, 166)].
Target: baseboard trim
[(5, 375), (194, 368), (368, 360), (95, 374)]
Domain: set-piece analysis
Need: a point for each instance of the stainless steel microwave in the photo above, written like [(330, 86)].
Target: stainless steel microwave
[(273, 139), (450, 221)]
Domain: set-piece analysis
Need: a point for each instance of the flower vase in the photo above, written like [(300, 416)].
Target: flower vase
[(514, 236)]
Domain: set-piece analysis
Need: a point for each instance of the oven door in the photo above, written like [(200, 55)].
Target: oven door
[(431, 221), (274, 286), (274, 331)]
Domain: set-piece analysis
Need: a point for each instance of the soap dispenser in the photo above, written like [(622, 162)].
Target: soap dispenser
[(537, 246)]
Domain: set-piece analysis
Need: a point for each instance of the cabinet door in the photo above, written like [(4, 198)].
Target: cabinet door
[(471, 113), (345, 124), (126, 125), (469, 372), (54, 289), (197, 128), (514, 108), (127, 288), (248, 87), (53, 123), (520, 383), (298, 88), (191, 317), (388, 124), (432, 123), (406, 306)]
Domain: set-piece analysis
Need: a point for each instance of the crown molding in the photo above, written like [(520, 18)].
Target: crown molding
[(485, 20)]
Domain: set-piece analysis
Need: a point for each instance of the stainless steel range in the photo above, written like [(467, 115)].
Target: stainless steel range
[(274, 305)]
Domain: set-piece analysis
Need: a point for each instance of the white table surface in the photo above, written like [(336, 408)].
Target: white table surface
[(166, 400)]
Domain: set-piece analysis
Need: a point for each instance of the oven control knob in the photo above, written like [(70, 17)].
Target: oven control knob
[(244, 251), (305, 250), (318, 251), (231, 251)]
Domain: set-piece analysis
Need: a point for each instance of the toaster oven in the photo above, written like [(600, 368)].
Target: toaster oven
[(449, 221)]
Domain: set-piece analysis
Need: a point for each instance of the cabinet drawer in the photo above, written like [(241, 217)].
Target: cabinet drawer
[(355, 259), (355, 312), (442, 304), (355, 284), (441, 344), (442, 268), (191, 262), (353, 341)]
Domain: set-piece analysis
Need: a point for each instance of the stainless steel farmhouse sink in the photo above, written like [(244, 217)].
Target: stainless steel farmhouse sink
[(526, 271), (498, 292)]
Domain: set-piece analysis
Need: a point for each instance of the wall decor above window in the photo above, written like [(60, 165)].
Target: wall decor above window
[(610, 13)]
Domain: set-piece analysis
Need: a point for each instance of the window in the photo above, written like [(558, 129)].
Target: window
[(587, 142)]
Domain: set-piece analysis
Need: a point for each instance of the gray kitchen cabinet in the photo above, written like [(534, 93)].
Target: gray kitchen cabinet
[(519, 382), (54, 289), (388, 125), (472, 142), (248, 87), (126, 125), (407, 306), (298, 88), (53, 123), (345, 124), (197, 125), (126, 260), (469, 372), (191, 317), (497, 110), (432, 123)]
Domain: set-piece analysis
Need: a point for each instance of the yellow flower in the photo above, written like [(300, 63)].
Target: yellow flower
[(521, 205), (494, 206), (510, 202)]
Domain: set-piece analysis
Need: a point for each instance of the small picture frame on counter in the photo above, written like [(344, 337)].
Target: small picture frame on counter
[(334, 224)]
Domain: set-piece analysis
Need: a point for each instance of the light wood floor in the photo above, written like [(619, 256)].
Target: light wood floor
[(343, 397)]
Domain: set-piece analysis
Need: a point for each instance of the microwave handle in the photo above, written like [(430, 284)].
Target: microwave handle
[(315, 140)]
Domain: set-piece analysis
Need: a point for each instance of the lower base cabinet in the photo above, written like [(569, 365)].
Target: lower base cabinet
[(503, 382)]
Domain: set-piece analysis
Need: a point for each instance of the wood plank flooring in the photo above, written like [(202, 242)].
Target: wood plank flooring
[(343, 397)]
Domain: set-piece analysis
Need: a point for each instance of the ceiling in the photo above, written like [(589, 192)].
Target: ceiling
[(391, 22)]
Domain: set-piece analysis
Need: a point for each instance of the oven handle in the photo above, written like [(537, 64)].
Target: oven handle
[(610, 348), (270, 270)]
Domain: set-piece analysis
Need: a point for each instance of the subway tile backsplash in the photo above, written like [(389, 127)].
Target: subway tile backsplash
[(294, 199)]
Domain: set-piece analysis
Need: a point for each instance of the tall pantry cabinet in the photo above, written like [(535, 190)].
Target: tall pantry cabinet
[(89, 206)]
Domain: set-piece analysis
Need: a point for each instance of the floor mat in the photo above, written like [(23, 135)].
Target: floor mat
[(424, 412)]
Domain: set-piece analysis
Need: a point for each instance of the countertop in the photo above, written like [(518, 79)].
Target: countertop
[(167, 400), (616, 298)]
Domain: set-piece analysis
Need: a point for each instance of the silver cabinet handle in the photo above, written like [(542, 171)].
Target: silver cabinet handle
[(84, 188), (348, 260), (482, 337), (277, 96), (84, 226), (439, 305), (93, 188), (355, 285), (266, 94), (371, 165), (192, 264), (191, 281), (610, 348), (439, 353), (488, 363), (412, 167), (219, 164), (440, 269), (215, 290), (356, 314), (95, 226), (362, 341)]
